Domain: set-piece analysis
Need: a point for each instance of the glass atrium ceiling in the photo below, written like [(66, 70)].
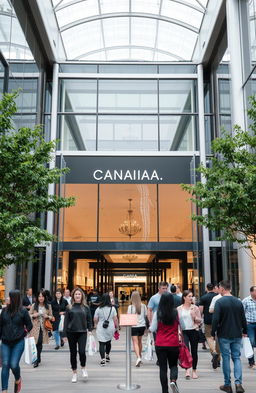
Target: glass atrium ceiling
[(127, 30)]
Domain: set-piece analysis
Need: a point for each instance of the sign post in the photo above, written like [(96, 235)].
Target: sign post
[(128, 320)]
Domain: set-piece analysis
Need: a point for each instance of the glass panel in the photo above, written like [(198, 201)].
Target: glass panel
[(27, 98), (177, 96), (178, 133), (78, 95), (209, 133), (225, 123), (127, 69), (75, 11), (47, 127), (77, 132), (182, 13), (76, 68), (135, 133), (114, 211), (175, 223), (128, 96), (224, 96), (177, 69), (24, 67), (20, 121), (207, 98), (80, 224)]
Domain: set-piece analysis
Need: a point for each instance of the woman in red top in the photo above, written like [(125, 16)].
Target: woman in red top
[(166, 325)]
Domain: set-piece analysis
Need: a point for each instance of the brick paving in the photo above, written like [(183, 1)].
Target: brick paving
[(54, 374)]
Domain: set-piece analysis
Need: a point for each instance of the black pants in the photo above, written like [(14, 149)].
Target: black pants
[(74, 339), (191, 337), (167, 356), (39, 345), (105, 347)]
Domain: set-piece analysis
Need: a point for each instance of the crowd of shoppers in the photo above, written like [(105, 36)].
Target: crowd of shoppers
[(225, 320)]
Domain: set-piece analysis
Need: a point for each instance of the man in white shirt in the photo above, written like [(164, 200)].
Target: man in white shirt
[(67, 296), (249, 304), (214, 300)]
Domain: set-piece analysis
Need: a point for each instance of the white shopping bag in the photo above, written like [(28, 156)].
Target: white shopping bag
[(61, 324), (30, 351), (247, 347), (91, 345), (148, 349)]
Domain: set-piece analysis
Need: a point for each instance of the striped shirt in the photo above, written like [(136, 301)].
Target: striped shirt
[(250, 309)]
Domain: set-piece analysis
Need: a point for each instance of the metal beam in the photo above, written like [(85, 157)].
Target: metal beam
[(129, 15)]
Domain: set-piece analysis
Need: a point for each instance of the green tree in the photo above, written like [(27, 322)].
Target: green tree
[(229, 190), (25, 177)]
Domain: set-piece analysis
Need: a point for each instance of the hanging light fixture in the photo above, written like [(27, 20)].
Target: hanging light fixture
[(129, 227), (130, 257)]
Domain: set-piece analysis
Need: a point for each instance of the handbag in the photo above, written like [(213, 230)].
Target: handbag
[(185, 358), (106, 322), (116, 335), (47, 324), (61, 324)]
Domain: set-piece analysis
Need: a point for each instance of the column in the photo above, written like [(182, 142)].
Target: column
[(51, 189), (205, 231), (10, 279), (238, 115)]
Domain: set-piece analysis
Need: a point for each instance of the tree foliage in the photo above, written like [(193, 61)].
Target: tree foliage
[(25, 177), (229, 191)]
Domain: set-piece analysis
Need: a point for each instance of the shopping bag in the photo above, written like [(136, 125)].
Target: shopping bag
[(30, 351), (247, 347), (116, 335), (185, 358), (148, 349), (91, 345), (61, 324)]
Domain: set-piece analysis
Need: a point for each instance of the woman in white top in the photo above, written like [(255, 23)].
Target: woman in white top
[(190, 320), (105, 319), (136, 307)]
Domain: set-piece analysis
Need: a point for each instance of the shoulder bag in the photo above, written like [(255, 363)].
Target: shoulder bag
[(106, 322)]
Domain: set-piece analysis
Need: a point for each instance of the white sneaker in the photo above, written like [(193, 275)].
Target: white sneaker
[(138, 362), (174, 387), (103, 363), (84, 373), (74, 378)]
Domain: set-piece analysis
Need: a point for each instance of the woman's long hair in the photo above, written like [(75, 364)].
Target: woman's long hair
[(46, 305), (15, 302), (166, 312), (136, 301), (105, 301), (185, 294), (83, 299)]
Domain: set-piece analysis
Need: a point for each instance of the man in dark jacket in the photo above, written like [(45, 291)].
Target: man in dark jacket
[(176, 298), (230, 324), (28, 299)]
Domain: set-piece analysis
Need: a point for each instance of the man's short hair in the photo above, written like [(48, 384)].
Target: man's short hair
[(252, 288), (225, 284), (163, 284), (173, 288), (210, 286)]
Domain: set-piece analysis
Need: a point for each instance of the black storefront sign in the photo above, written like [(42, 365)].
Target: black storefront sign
[(119, 170)]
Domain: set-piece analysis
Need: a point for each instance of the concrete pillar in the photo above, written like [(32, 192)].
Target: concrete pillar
[(234, 32), (10, 279)]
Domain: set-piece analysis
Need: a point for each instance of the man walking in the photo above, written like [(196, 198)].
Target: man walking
[(249, 304), (176, 298), (155, 299), (230, 324), (204, 305)]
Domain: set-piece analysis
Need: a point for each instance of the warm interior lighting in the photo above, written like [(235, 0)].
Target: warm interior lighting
[(130, 257), (129, 227)]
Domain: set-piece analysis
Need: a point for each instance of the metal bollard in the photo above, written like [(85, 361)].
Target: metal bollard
[(128, 385)]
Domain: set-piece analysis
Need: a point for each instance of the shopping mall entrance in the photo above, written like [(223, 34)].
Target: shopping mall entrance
[(126, 272)]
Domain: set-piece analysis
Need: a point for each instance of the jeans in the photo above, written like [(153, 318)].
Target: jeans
[(56, 335), (192, 337), (251, 331), (167, 355), (11, 354), (75, 339), (105, 347), (231, 346)]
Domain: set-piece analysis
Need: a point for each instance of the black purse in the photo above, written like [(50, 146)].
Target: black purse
[(105, 324)]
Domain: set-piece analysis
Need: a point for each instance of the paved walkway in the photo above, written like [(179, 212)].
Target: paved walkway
[(54, 374)]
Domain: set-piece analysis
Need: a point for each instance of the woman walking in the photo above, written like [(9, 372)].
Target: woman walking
[(105, 319), (40, 312), (59, 305), (166, 325), (190, 320), (77, 321), (14, 319), (138, 308)]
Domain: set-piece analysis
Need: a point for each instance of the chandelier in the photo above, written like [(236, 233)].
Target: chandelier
[(130, 257), (129, 227)]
